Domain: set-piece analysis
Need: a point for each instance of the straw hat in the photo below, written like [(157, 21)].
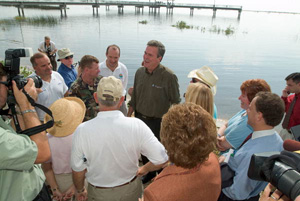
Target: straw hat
[(63, 53), (110, 86), (68, 113), (205, 74)]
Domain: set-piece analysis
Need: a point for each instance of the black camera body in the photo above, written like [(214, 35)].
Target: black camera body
[(12, 68), (274, 167)]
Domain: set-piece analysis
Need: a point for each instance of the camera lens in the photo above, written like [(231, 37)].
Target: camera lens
[(21, 81), (37, 80)]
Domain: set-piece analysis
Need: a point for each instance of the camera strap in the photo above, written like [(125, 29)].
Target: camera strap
[(40, 128)]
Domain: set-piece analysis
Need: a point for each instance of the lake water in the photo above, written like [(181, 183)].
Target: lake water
[(263, 45)]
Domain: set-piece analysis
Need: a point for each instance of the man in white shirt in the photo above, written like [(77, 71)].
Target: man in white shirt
[(112, 67), (106, 149), (54, 86)]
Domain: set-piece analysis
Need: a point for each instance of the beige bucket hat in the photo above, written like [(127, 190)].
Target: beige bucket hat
[(206, 74), (68, 113), (110, 86), (63, 53)]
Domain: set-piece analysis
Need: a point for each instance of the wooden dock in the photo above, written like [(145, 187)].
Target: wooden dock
[(139, 6)]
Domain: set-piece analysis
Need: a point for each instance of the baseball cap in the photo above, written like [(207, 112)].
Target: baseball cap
[(110, 87)]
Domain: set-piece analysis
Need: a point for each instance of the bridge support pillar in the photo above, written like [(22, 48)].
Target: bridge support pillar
[(96, 7), (63, 10), (139, 8), (169, 10), (120, 8), (214, 12), (239, 15), (21, 10), (191, 11)]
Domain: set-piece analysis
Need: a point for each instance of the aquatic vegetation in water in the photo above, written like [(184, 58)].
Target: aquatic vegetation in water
[(182, 25), (215, 29), (229, 30), (143, 22), (38, 21)]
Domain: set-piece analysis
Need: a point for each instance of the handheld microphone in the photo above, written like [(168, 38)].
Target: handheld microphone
[(291, 145)]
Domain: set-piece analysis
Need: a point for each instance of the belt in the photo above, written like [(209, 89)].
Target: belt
[(114, 186), (146, 117)]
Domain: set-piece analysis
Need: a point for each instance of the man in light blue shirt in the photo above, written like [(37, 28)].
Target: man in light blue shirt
[(264, 113), (66, 68)]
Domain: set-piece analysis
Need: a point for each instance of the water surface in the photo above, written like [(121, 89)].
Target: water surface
[(263, 45)]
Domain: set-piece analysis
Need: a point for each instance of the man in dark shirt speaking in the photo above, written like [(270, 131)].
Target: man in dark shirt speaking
[(155, 90)]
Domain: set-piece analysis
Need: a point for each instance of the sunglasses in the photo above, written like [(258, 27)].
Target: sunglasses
[(69, 57), (194, 80)]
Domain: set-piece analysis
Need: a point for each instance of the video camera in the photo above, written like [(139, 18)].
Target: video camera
[(12, 68), (280, 169)]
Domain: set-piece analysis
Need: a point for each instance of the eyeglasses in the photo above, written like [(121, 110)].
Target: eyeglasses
[(69, 57)]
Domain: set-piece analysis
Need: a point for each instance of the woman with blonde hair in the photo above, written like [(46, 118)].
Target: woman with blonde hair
[(200, 94)]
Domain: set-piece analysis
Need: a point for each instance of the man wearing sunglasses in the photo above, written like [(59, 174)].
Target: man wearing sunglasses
[(66, 68)]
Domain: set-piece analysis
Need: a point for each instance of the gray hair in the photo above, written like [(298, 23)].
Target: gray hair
[(161, 48), (109, 102)]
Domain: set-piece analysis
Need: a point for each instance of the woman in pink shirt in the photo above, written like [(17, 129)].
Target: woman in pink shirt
[(68, 113)]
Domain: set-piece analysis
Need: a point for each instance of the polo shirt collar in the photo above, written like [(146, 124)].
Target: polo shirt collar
[(109, 68), (112, 113), (52, 77), (155, 70), (263, 133)]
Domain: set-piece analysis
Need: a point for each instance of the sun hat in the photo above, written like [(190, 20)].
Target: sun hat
[(68, 113), (63, 53), (110, 86), (206, 74)]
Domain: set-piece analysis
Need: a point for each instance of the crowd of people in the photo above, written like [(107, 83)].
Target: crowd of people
[(100, 148)]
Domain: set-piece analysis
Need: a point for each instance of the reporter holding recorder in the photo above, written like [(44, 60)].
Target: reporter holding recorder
[(20, 176)]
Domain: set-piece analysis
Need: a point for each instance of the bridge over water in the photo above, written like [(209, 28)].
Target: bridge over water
[(139, 6)]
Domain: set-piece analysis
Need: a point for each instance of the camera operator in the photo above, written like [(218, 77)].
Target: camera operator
[(20, 176), (48, 47)]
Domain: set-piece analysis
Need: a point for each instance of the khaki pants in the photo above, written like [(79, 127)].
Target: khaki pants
[(130, 192), (284, 134)]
